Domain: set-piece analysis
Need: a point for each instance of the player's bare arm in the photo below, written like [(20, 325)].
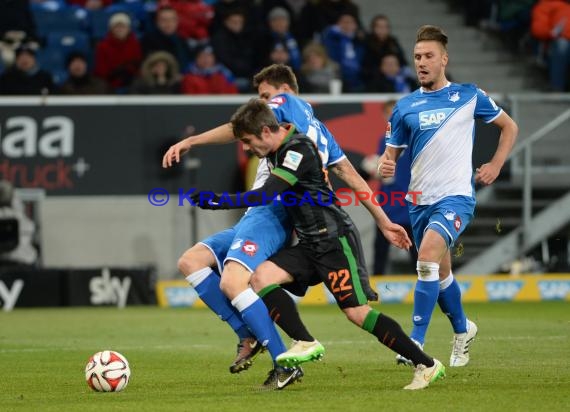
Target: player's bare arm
[(395, 234), (488, 172), (219, 135), (387, 162)]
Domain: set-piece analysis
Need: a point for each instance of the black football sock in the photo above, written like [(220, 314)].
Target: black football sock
[(283, 311), (390, 334)]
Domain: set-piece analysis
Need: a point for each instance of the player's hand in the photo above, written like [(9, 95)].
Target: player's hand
[(487, 173), (174, 153), (396, 235), (386, 166), (208, 200)]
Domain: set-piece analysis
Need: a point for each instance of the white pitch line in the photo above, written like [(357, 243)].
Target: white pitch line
[(326, 343)]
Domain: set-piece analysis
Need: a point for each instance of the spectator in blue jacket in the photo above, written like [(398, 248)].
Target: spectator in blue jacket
[(344, 46), (278, 21)]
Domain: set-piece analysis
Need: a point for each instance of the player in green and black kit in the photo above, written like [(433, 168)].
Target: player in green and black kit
[(327, 250)]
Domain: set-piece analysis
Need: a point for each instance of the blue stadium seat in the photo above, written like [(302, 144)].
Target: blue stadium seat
[(99, 23), (71, 19), (68, 41), (53, 61)]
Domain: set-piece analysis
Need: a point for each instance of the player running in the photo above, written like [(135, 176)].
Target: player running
[(437, 124)]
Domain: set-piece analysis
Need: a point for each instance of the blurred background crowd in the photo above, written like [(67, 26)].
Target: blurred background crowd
[(196, 47)]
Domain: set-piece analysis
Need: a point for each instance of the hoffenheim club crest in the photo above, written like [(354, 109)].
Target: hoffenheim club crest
[(454, 96)]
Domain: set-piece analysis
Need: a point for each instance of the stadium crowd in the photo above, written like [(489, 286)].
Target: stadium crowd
[(80, 47), (533, 30)]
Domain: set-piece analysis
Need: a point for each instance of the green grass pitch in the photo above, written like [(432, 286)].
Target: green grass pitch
[(180, 357)]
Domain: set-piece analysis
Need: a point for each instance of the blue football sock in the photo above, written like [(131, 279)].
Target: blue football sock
[(206, 282), (254, 313), (425, 298), (449, 301)]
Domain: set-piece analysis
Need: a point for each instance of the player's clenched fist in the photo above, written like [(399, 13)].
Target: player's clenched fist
[(386, 166)]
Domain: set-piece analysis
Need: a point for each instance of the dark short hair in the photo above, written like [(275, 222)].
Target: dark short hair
[(252, 117), (75, 55), (432, 33), (30, 48), (276, 75), (376, 18)]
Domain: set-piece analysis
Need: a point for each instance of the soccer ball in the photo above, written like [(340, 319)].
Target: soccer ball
[(107, 371)]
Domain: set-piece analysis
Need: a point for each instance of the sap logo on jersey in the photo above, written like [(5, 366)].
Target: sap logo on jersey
[(432, 119)]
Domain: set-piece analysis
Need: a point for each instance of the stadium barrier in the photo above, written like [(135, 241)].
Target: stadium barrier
[(400, 289), (22, 287), (97, 159), (62, 145)]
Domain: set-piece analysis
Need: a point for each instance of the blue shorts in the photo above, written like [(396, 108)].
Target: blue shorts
[(259, 234), (449, 217)]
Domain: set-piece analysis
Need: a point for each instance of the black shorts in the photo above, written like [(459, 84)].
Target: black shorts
[(336, 262)]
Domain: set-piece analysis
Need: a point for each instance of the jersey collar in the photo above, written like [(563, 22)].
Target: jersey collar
[(291, 131), (422, 90)]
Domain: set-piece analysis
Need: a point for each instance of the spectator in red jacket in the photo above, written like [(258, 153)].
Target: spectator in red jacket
[(206, 76), (551, 22), (118, 55)]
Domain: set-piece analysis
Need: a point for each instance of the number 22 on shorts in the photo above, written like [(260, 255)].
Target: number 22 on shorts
[(338, 283)]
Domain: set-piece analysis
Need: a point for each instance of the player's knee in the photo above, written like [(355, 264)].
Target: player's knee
[(189, 263), (184, 265), (259, 279), (235, 279), (232, 287), (226, 285)]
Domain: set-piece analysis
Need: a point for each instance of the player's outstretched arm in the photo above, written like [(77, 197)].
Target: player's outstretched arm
[(395, 234), (219, 135), (488, 172)]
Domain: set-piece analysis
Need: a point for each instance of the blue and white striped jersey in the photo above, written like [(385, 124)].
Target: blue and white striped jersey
[(439, 128)]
